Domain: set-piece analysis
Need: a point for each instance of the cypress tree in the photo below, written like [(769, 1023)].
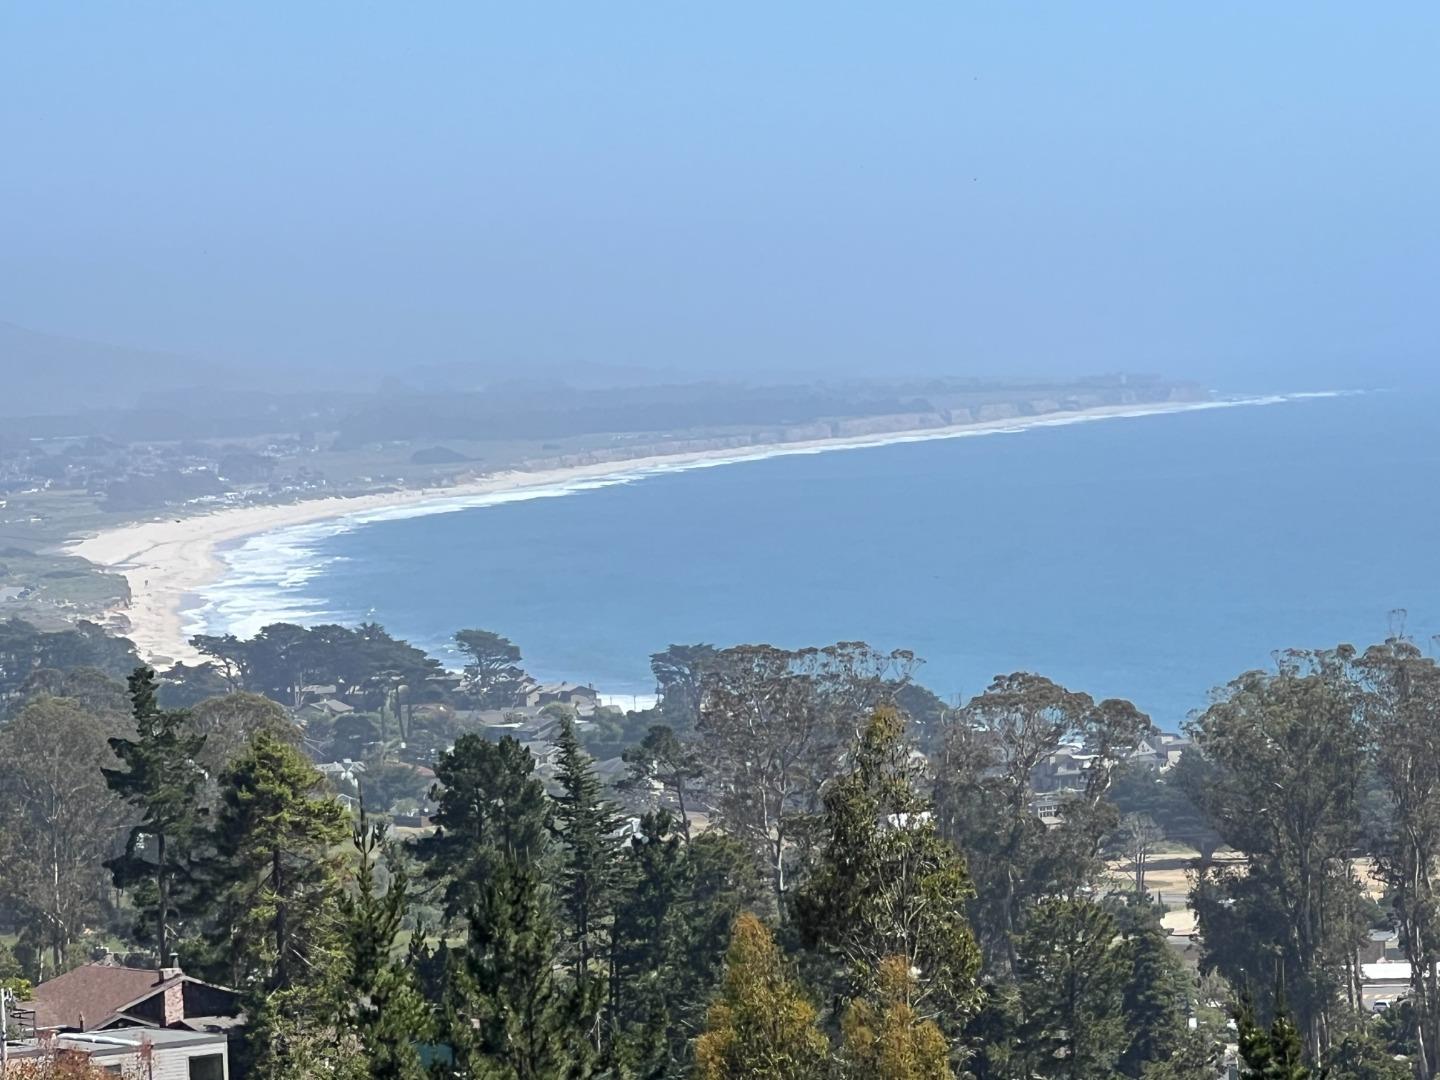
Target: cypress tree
[(162, 781), (763, 1027), (887, 1039)]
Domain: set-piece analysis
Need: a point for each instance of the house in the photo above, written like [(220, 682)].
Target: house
[(136, 1051), (317, 692), (1063, 771), (567, 693), (96, 997), (341, 772), (324, 709)]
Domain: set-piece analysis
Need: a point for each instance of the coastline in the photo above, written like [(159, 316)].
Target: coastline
[(167, 561)]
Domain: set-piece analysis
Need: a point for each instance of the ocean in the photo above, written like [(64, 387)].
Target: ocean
[(1146, 557)]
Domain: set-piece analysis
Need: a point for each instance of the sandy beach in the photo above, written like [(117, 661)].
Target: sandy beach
[(167, 560)]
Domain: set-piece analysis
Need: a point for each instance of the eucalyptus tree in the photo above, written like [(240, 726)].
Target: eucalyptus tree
[(58, 821), (1289, 749), (774, 724), (984, 797), (1401, 702)]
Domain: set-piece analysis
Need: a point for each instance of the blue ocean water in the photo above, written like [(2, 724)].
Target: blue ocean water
[(1146, 557)]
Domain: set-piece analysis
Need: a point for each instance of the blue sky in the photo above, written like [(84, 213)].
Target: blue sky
[(1242, 191)]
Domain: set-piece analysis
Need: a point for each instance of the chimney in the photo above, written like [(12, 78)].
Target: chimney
[(173, 970)]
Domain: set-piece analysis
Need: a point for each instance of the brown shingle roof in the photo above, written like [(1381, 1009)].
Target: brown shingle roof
[(90, 995)]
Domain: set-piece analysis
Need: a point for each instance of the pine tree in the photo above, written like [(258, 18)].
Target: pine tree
[(162, 781), (763, 1027), (491, 807), (1276, 1054), (887, 884), (585, 823), (886, 1039), (647, 949), (273, 874), (1072, 976), (508, 1014), (382, 1004), (1156, 1002), (510, 1017)]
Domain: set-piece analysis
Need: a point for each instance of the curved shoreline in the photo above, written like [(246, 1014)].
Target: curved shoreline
[(167, 561)]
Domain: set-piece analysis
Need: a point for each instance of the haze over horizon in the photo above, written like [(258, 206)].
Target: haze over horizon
[(1243, 195)]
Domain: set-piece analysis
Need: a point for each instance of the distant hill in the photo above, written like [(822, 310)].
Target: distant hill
[(44, 374)]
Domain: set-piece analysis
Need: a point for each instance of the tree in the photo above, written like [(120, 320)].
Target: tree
[(382, 1005), (678, 672), (1072, 972), (1401, 705), (57, 821), (888, 1039), (1136, 840), (229, 723), (25, 650), (585, 823), (512, 1017), (60, 1065), (493, 674), (661, 759), (1274, 1054), (762, 1027), (162, 781), (1156, 1002), (1289, 750), (774, 723), (647, 959), (490, 807), (994, 748), (273, 881), (1361, 1056), (887, 885)]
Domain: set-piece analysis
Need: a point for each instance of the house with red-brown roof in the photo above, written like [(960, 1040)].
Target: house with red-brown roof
[(97, 997)]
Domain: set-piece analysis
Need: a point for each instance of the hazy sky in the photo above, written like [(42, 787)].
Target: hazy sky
[(1209, 188)]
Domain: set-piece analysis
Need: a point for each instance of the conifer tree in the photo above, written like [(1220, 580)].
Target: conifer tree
[(887, 1039), (586, 823), (1156, 1000), (491, 808), (763, 1027), (510, 1016), (382, 1004), (646, 954), (887, 884), (1072, 977), (273, 874), (161, 780), (1274, 1054)]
